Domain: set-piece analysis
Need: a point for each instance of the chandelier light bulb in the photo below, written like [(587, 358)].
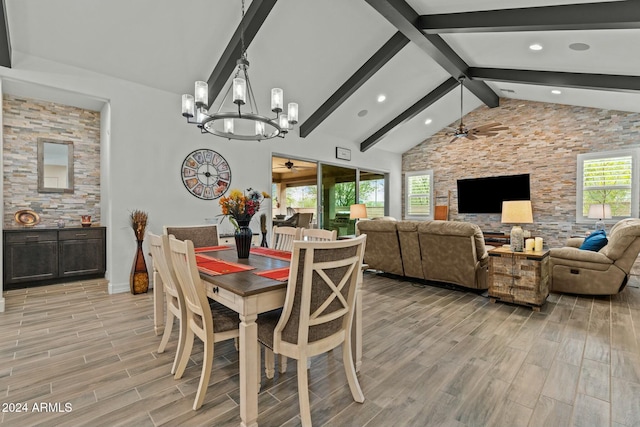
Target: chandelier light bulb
[(277, 98), (228, 125), (292, 108), (284, 122), (202, 93), (260, 128), (239, 91), (201, 113), (188, 106)]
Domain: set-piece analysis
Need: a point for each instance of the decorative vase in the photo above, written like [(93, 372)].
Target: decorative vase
[(243, 237), (86, 220), (139, 280)]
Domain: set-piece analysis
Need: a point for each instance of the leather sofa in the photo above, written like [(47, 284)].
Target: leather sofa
[(577, 271), (441, 251)]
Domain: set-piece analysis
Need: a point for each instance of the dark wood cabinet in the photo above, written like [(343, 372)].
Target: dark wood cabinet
[(37, 256)]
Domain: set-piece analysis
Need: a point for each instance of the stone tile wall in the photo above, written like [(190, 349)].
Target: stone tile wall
[(544, 141), (26, 120)]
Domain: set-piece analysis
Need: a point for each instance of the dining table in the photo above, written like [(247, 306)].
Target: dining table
[(250, 286)]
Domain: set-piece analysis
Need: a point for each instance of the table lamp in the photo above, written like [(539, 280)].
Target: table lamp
[(599, 212), (517, 212), (358, 211)]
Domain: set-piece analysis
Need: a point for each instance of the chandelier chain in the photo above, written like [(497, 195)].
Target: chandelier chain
[(244, 51)]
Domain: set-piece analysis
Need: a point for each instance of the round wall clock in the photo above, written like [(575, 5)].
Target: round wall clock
[(206, 174)]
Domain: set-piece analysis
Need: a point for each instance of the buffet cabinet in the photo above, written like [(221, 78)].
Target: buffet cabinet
[(36, 256)]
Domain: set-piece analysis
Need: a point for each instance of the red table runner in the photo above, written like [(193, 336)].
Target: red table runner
[(272, 253), (216, 267), (281, 274), (212, 248)]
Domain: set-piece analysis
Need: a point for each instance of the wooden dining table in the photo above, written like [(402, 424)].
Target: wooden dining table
[(250, 294)]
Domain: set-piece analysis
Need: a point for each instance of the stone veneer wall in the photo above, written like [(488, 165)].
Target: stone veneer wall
[(26, 120), (544, 141)]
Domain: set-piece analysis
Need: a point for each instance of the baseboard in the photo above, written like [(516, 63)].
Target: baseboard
[(1, 304), (118, 288)]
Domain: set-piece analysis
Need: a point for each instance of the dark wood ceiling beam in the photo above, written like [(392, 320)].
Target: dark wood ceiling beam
[(254, 17), (621, 83), (405, 19), (411, 112), (5, 42), (364, 73), (587, 16)]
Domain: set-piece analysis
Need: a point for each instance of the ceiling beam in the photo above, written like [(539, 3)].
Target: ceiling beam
[(364, 73), (587, 16), (411, 112), (405, 19), (621, 83), (254, 17), (5, 42)]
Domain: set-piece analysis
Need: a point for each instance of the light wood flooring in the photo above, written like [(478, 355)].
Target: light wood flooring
[(432, 357)]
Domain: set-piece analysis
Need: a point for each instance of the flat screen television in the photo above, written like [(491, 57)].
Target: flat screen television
[(485, 195)]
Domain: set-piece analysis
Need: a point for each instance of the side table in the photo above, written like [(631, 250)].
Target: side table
[(519, 277)]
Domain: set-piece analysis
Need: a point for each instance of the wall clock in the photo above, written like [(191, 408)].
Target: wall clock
[(206, 174)]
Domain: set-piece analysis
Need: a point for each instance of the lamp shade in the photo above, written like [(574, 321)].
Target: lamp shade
[(599, 211), (357, 211), (517, 212)]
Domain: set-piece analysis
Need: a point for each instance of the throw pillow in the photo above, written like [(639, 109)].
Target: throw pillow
[(595, 241)]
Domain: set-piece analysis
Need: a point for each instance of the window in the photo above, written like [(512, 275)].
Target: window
[(608, 178), (418, 195)]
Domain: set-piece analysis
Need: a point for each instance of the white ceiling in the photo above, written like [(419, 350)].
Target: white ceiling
[(309, 48)]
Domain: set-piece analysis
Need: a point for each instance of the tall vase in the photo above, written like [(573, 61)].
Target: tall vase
[(243, 237), (139, 280)]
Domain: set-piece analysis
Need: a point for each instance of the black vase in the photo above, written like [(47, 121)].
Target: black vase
[(243, 238)]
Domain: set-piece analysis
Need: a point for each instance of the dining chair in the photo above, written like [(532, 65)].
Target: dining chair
[(318, 310), (159, 247), (201, 235), (319, 235), (282, 237), (210, 321)]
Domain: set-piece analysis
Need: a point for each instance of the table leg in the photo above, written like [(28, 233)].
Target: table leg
[(248, 370), (158, 303)]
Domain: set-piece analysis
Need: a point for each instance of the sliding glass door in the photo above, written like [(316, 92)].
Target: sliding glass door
[(338, 194)]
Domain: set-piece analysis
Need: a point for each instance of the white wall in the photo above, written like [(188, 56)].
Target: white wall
[(144, 142)]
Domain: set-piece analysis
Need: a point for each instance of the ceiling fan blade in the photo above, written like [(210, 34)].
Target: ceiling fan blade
[(471, 136), (453, 139), (488, 134), (488, 125)]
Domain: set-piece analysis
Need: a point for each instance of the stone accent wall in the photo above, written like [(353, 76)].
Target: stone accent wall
[(544, 141), (26, 120)]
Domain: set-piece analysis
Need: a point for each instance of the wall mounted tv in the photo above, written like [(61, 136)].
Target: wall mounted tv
[(485, 195)]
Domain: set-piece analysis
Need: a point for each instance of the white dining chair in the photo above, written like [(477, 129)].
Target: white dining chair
[(319, 235), (282, 237), (201, 235)]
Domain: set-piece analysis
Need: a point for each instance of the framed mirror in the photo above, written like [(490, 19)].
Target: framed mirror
[(55, 166)]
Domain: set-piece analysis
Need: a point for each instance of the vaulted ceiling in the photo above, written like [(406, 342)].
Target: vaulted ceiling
[(335, 57)]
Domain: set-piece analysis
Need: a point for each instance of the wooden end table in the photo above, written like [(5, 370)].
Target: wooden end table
[(519, 277)]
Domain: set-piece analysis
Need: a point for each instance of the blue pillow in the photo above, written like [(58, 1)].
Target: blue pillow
[(596, 241)]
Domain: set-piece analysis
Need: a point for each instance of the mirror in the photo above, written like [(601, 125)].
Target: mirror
[(55, 166)]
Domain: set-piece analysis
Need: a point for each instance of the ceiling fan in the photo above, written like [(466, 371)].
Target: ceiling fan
[(461, 130), (292, 167)]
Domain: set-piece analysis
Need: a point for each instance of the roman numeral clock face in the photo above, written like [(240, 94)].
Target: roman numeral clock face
[(206, 174)]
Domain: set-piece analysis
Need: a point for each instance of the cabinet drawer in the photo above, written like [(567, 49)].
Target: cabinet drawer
[(31, 236), (80, 234)]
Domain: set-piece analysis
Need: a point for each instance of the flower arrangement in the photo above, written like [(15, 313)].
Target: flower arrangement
[(241, 207), (139, 223)]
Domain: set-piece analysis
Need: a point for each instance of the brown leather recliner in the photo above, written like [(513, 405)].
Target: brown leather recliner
[(577, 271)]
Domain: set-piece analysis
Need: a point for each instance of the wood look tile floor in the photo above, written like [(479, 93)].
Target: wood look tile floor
[(432, 357)]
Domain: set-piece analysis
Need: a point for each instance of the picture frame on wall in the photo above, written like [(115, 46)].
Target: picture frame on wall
[(343, 153)]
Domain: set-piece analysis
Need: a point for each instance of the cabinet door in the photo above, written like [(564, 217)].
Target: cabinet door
[(82, 257), (30, 261)]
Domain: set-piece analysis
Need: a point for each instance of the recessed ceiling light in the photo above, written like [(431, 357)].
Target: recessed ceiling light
[(362, 113), (556, 92), (579, 46), (428, 121), (535, 46), (381, 98)]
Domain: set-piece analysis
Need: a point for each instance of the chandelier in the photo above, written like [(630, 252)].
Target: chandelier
[(235, 123)]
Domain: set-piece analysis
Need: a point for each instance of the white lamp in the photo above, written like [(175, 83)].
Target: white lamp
[(599, 212), (358, 211), (517, 212)]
